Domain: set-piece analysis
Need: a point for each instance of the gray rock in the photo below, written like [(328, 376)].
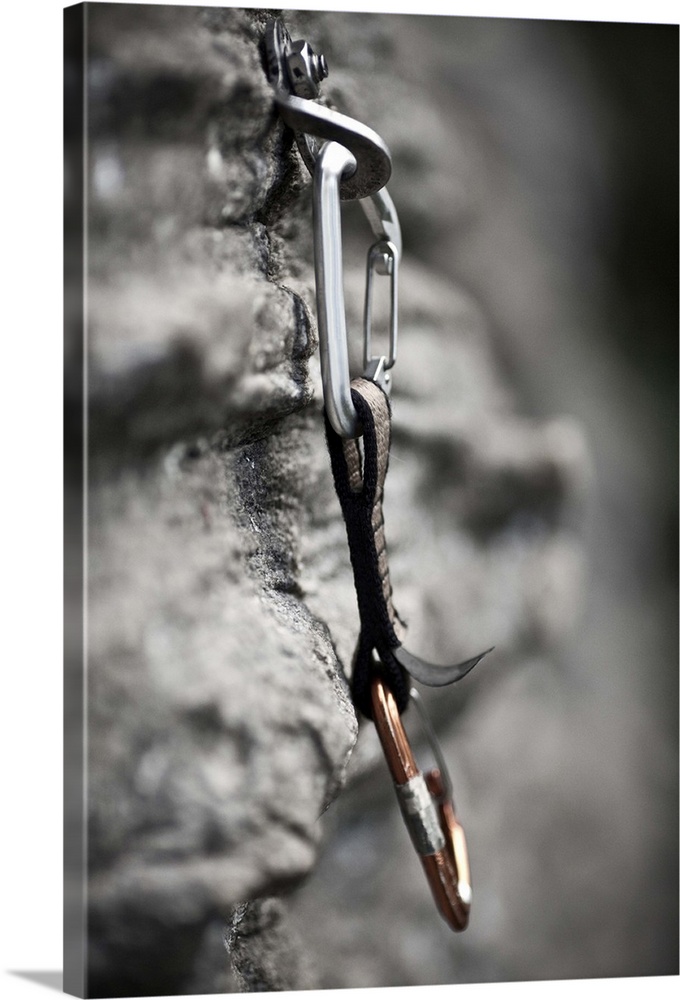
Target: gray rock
[(219, 723), (266, 953)]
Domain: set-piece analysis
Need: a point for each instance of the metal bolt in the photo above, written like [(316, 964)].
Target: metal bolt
[(305, 69)]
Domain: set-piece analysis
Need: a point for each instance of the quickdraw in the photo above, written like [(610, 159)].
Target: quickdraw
[(353, 162)]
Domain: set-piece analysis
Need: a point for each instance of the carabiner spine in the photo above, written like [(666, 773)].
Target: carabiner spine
[(333, 160), (332, 164)]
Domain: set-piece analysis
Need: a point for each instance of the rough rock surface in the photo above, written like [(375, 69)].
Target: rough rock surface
[(220, 724), (221, 612)]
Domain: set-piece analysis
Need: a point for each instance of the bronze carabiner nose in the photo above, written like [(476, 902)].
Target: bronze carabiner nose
[(427, 808)]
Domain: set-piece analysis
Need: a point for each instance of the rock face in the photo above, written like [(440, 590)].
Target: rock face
[(220, 724), (221, 611)]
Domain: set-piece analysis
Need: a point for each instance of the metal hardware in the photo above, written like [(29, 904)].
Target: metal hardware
[(292, 65), (353, 162), (311, 122), (356, 167), (427, 808), (305, 69), (330, 298), (382, 217), (383, 258), (381, 214)]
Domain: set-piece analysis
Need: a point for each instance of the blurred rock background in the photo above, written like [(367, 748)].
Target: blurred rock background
[(531, 504)]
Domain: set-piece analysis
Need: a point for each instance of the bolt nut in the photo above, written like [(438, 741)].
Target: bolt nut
[(384, 263), (305, 69)]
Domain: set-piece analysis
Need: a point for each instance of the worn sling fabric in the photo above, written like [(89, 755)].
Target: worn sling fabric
[(360, 487)]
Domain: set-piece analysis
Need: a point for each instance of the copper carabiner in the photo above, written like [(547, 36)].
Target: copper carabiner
[(427, 807)]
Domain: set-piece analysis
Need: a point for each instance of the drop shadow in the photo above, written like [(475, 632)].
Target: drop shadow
[(51, 980)]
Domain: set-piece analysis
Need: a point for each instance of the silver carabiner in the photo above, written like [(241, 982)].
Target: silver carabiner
[(333, 160)]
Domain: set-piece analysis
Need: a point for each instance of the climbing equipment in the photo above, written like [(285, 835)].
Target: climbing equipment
[(360, 486), (426, 802), (295, 72), (383, 257), (353, 162)]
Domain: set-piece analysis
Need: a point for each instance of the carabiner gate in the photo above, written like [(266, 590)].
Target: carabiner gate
[(383, 258), (427, 808)]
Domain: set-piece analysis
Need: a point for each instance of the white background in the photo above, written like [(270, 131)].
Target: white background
[(31, 478)]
